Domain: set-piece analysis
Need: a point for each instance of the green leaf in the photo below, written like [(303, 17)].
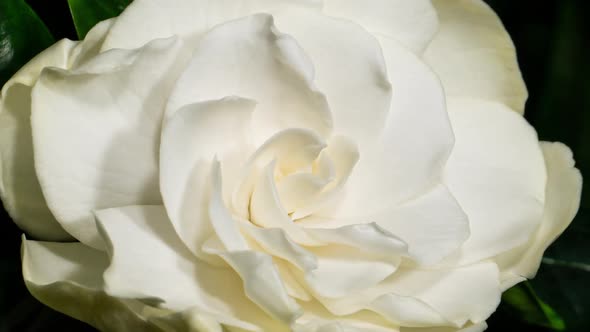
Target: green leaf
[(531, 308), (86, 13), (22, 36)]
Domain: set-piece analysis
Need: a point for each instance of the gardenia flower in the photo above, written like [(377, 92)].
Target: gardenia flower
[(286, 165)]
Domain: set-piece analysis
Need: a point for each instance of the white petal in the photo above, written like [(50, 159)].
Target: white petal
[(368, 238), (263, 284), (339, 326), (225, 227), (470, 293), (149, 261), (507, 278), (294, 286), (96, 133), (418, 137), (396, 309), (190, 141), (433, 225), (349, 69), (146, 260), (324, 167), (343, 270), (19, 187), (266, 210), (262, 281), (342, 155), (145, 20), (473, 54), (317, 319), (407, 311), (92, 43), (249, 58), (497, 174), (413, 23), (68, 278), (295, 190), (276, 242), (72, 262), (458, 295), (354, 257), (414, 145), (562, 200), (58, 55), (399, 310), (291, 149)]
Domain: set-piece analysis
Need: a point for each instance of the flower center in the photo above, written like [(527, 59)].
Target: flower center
[(292, 176)]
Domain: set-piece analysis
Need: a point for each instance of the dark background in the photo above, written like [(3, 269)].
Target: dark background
[(552, 38)]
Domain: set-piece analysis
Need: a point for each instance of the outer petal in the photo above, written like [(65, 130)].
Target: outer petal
[(149, 261), (413, 23), (19, 186), (92, 43), (473, 54), (68, 277), (113, 106), (250, 59), (497, 174), (145, 20), (562, 200)]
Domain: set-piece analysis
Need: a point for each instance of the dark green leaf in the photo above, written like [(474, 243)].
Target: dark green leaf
[(22, 36), (563, 278), (523, 299), (573, 247), (86, 13)]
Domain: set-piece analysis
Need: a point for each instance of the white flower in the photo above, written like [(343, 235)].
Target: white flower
[(261, 165)]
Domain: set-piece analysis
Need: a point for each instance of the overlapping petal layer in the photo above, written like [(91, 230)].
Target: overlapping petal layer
[(68, 278), (149, 262), (19, 187), (113, 104), (249, 58), (474, 56), (498, 175), (409, 156), (562, 197)]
